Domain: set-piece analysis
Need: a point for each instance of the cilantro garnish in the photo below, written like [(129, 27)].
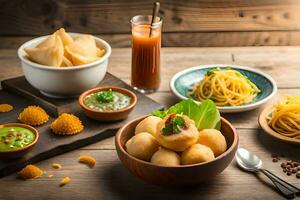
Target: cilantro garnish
[(105, 96), (174, 126)]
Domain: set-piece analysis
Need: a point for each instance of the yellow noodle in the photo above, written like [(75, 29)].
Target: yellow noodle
[(226, 88), (285, 117)]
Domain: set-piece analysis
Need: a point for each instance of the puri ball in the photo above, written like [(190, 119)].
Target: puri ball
[(214, 140), (178, 141), (148, 125), (197, 153), (142, 146), (165, 157)]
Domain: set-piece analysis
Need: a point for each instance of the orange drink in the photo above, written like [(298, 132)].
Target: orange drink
[(145, 61)]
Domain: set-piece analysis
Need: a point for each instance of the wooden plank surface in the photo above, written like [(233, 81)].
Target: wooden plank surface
[(192, 39), (189, 23), (110, 180), (41, 17)]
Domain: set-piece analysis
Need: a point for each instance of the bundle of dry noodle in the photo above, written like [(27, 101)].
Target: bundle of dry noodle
[(285, 118), (225, 87)]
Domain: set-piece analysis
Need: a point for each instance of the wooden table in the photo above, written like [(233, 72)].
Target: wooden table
[(110, 180)]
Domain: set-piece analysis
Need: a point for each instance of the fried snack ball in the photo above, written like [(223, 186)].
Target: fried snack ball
[(179, 141), (88, 160), (197, 153), (214, 140), (66, 124), (34, 116), (148, 125), (5, 107), (165, 157), (30, 171), (142, 146)]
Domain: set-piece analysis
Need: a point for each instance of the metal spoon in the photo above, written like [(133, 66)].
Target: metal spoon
[(250, 162)]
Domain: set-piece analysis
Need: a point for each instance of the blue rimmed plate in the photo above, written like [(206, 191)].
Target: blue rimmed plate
[(183, 81)]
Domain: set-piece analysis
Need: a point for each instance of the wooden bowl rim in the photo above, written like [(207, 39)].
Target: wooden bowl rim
[(267, 129), (34, 130), (223, 120), (115, 88)]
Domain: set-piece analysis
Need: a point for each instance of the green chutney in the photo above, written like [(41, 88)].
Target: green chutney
[(107, 101), (14, 138)]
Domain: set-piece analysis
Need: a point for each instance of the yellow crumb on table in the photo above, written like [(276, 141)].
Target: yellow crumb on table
[(67, 124), (30, 172), (50, 175), (34, 116), (88, 160), (56, 166), (5, 107), (64, 181)]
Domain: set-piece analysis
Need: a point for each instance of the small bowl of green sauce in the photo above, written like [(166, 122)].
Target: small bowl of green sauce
[(108, 103), (16, 139)]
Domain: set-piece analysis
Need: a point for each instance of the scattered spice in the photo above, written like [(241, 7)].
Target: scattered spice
[(56, 166), (30, 172), (88, 160), (64, 181), (289, 167), (5, 107)]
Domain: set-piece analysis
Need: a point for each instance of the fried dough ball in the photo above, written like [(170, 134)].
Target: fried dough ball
[(181, 140), (197, 153), (165, 157), (88, 160), (34, 116), (214, 140), (30, 171), (148, 125), (142, 146), (66, 124)]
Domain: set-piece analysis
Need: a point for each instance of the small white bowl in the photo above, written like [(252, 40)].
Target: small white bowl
[(64, 82)]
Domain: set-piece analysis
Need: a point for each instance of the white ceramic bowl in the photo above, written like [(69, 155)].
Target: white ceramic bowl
[(64, 82)]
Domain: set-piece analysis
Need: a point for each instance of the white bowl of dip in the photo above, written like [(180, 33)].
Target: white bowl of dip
[(64, 82)]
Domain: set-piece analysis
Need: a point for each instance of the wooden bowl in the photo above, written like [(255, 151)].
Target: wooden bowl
[(265, 126), (19, 152), (177, 175), (108, 115)]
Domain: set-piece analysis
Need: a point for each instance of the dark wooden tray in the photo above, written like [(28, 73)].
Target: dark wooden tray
[(20, 93)]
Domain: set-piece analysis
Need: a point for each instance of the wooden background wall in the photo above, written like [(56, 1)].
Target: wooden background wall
[(186, 22)]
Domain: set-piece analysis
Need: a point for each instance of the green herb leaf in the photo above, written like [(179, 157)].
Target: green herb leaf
[(105, 96), (205, 115), (210, 72), (159, 113), (178, 120), (168, 129)]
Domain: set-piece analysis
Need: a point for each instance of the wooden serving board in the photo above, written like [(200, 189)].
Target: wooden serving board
[(20, 94)]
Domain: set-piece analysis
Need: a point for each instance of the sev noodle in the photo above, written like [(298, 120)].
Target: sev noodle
[(226, 87), (285, 117)]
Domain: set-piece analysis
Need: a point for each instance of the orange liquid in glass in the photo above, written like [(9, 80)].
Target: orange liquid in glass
[(145, 66)]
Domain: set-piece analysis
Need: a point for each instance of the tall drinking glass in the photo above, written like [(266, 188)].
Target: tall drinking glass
[(145, 61)]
